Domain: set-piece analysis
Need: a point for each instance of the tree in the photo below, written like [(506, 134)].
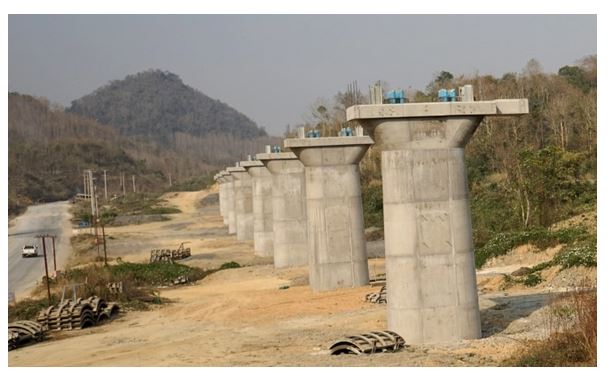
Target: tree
[(444, 77)]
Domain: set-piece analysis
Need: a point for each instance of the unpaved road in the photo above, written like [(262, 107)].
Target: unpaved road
[(52, 218), (245, 317)]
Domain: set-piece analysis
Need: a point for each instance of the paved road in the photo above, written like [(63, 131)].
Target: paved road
[(52, 218)]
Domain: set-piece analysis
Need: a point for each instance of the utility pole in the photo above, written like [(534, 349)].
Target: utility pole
[(96, 220), (46, 269), (54, 261), (85, 182), (105, 191), (133, 184), (91, 193), (96, 201), (104, 244)]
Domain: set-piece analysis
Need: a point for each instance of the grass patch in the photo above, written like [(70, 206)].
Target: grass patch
[(27, 309), (194, 184), (133, 204), (539, 237), (161, 210), (229, 265), (138, 274)]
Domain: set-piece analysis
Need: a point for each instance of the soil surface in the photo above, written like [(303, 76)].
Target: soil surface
[(261, 316)]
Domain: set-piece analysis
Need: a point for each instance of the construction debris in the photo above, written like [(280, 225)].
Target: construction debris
[(77, 314), (170, 255), (369, 343), (115, 288), (24, 331), (378, 280), (377, 297)]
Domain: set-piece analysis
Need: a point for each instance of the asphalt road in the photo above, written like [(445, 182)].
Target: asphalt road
[(53, 219)]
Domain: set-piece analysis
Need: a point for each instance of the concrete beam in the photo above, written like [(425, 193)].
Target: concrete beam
[(436, 109)]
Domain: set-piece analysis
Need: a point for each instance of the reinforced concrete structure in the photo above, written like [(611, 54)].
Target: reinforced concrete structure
[(230, 201), (335, 222), (429, 253), (217, 178), (261, 184), (243, 203), (288, 209), (221, 181)]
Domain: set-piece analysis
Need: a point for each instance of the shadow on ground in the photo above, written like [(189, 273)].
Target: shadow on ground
[(507, 309)]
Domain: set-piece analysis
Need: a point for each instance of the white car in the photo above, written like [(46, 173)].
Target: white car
[(29, 251)]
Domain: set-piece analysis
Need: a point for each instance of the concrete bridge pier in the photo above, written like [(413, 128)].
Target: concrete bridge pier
[(337, 249), (429, 253), (243, 203), (261, 183), (288, 209)]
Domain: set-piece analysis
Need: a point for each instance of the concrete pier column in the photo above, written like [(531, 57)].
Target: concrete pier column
[(219, 181), (243, 203), (230, 201), (288, 209), (335, 221), (223, 195), (261, 183), (429, 253)]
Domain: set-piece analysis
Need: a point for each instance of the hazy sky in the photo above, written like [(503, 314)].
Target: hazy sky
[(272, 68)]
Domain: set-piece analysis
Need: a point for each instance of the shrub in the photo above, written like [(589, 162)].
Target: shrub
[(577, 255), (229, 265), (532, 279), (372, 202)]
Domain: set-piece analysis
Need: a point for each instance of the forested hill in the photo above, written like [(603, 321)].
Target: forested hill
[(157, 104), (49, 149)]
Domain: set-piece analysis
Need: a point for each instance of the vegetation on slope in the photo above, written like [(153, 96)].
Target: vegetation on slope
[(49, 149), (525, 173)]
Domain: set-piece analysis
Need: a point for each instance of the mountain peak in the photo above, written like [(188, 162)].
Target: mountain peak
[(157, 104)]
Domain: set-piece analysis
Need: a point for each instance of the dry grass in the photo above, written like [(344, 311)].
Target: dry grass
[(572, 334)]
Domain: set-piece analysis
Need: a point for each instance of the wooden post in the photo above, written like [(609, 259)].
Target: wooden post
[(133, 184)]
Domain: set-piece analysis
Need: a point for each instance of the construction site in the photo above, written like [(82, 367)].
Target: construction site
[(288, 275)]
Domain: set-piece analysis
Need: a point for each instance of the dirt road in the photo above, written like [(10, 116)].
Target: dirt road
[(52, 218), (244, 317)]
